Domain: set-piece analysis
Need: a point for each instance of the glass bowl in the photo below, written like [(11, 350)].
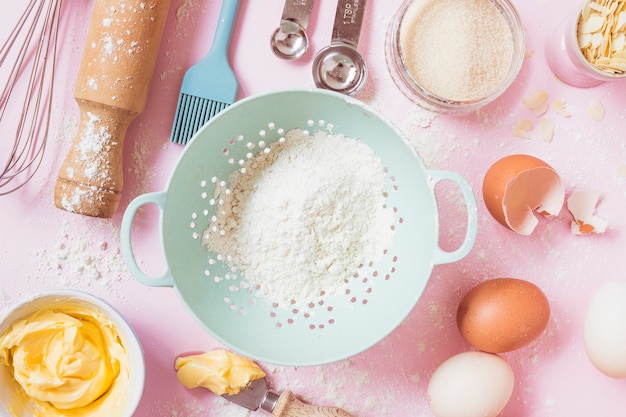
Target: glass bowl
[(415, 90)]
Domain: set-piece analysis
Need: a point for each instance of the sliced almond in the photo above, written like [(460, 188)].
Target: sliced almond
[(618, 43), (595, 110), (620, 23), (584, 40), (536, 101), (559, 107), (546, 129), (592, 24), (599, 8), (596, 40), (523, 128)]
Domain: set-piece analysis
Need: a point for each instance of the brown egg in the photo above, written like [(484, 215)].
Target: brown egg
[(516, 185), (503, 314)]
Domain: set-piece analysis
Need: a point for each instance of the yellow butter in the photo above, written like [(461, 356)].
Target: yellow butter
[(220, 371), (69, 361)]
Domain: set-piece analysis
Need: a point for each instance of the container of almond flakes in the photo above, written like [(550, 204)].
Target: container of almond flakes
[(589, 46)]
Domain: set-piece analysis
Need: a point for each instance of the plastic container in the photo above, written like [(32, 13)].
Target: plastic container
[(416, 92), (566, 60), (11, 394)]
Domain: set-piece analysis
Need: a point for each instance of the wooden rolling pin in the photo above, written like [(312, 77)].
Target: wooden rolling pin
[(111, 90)]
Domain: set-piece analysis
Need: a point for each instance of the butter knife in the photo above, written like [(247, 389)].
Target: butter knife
[(258, 395)]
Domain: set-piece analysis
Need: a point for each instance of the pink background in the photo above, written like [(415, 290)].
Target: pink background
[(42, 247)]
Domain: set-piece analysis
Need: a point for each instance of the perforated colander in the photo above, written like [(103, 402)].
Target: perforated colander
[(378, 296)]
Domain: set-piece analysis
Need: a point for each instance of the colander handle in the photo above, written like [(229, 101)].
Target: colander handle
[(445, 257), (158, 199)]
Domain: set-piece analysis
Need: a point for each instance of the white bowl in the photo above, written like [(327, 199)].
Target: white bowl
[(11, 392)]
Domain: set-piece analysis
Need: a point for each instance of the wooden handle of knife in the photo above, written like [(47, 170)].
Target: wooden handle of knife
[(289, 406)]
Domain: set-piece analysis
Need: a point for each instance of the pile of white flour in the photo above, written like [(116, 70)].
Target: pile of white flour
[(298, 221)]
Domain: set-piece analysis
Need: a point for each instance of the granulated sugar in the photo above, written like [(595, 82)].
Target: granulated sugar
[(302, 218), (458, 50)]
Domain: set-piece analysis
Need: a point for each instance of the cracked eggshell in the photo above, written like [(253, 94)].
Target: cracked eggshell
[(604, 330), (517, 185), (582, 204)]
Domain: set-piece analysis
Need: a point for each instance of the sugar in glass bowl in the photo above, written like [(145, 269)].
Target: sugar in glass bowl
[(455, 56)]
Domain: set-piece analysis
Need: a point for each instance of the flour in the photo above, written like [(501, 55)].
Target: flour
[(300, 218), (95, 142), (82, 262)]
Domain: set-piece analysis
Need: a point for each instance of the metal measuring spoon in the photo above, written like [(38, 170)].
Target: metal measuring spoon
[(339, 66), (290, 41)]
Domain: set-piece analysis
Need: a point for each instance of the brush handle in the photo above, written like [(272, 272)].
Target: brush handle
[(224, 30), (111, 89), (289, 406)]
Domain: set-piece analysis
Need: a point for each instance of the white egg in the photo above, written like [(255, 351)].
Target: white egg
[(471, 384), (605, 329)]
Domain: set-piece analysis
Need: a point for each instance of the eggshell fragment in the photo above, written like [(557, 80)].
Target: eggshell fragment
[(605, 329), (582, 204), (470, 384), (516, 185), (503, 314)]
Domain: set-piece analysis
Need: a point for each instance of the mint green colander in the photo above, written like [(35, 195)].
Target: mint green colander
[(337, 327)]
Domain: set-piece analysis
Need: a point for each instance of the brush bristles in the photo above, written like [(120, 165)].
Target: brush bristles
[(191, 114)]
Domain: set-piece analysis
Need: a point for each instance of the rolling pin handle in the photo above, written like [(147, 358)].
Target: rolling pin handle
[(91, 177)]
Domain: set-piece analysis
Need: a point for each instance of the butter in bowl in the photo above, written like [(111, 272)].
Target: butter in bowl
[(68, 353)]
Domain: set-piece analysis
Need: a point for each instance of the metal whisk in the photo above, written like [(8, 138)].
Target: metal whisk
[(27, 60)]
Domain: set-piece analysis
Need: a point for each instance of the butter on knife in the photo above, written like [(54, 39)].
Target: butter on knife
[(240, 380)]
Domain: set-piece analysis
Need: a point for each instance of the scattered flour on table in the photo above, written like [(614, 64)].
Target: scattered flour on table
[(142, 168), (220, 407), (79, 261), (3, 300), (302, 216)]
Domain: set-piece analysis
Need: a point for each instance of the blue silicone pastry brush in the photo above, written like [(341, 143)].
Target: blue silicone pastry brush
[(210, 85)]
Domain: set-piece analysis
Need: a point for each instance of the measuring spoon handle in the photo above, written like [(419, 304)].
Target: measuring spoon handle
[(348, 22), (298, 11)]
